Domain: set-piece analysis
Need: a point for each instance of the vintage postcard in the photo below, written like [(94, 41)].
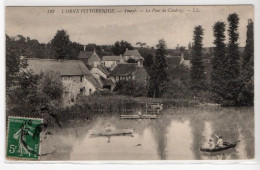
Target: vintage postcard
[(130, 83)]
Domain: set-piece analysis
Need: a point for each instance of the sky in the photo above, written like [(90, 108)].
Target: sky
[(132, 24)]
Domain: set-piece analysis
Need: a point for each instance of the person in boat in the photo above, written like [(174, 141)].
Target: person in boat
[(220, 141), (211, 144)]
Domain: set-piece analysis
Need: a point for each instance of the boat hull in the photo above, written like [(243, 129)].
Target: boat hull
[(112, 133), (217, 149), (138, 116)]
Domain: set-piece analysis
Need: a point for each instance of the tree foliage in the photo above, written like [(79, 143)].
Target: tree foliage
[(219, 63), (120, 47), (159, 77), (61, 43), (130, 87), (232, 84), (197, 74), (246, 96)]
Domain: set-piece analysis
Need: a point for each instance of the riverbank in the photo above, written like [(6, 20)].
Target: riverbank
[(88, 106)]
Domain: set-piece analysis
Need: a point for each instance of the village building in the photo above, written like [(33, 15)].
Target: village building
[(97, 68), (102, 76), (176, 61), (90, 58), (130, 71), (75, 76), (110, 62), (134, 55)]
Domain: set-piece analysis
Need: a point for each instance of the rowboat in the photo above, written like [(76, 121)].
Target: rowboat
[(138, 116), (113, 132), (217, 149), (155, 106)]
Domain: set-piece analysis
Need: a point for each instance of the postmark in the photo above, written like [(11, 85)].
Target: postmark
[(23, 138)]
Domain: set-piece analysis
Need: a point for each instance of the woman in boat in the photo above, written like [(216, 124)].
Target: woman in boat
[(220, 141), (211, 144)]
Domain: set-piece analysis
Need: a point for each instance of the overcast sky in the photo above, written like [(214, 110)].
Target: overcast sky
[(174, 27)]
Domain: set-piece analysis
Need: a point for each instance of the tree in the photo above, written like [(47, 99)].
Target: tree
[(141, 44), (61, 44), (120, 47), (182, 49), (246, 96), (148, 60), (233, 73), (219, 63), (159, 77), (198, 77)]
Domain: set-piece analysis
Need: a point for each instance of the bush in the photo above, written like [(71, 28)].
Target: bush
[(130, 88)]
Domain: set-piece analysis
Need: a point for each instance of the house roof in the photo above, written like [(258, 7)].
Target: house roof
[(85, 54), (103, 69), (124, 69), (133, 53), (111, 58), (93, 81), (63, 67), (106, 82)]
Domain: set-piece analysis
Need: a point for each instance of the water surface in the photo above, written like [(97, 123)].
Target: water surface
[(177, 134)]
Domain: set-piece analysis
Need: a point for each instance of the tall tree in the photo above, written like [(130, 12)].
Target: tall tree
[(61, 45), (120, 47), (219, 63), (198, 77), (159, 77), (233, 73), (246, 96)]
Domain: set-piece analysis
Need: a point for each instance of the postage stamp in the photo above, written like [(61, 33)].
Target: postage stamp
[(23, 138)]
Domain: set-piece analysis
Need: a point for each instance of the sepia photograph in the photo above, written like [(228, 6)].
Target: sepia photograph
[(129, 83)]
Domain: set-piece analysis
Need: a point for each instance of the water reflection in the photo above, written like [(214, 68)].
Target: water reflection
[(175, 135), (180, 139)]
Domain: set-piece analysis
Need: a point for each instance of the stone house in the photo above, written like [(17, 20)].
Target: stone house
[(129, 71), (90, 58), (133, 54), (75, 76), (110, 62)]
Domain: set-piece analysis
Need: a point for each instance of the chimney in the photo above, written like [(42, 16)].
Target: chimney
[(84, 47), (182, 57), (140, 63)]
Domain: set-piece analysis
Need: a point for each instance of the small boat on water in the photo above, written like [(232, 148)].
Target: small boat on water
[(138, 116), (217, 149), (155, 106), (113, 132)]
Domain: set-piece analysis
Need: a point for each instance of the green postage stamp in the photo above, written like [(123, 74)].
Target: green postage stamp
[(23, 138)]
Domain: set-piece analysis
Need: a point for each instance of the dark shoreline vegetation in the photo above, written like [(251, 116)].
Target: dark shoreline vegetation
[(225, 78)]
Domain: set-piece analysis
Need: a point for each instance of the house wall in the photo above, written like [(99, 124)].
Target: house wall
[(94, 60), (89, 87), (110, 64), (72, 88)]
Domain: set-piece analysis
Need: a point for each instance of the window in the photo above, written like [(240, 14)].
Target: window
[(82, 90), (90, 91)]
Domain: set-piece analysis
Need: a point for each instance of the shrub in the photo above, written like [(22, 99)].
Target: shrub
[(130, 87)]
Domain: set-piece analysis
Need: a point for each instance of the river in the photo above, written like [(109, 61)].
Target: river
[(176, 134)]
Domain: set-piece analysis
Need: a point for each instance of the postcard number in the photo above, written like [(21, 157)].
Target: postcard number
[(51, 11)]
